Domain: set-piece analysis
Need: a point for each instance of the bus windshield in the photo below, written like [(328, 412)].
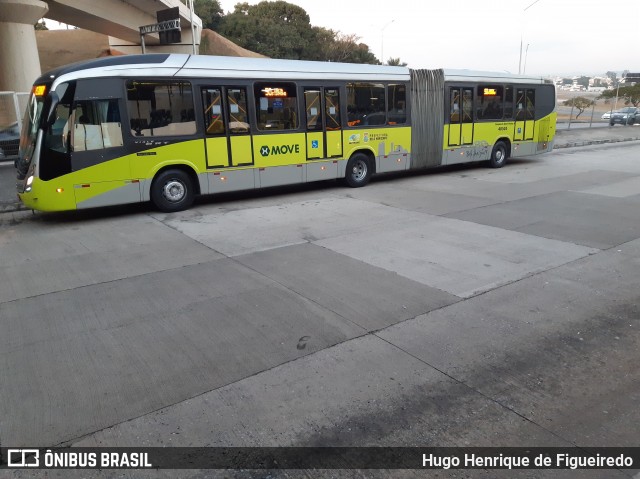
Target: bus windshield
[(30, 131)]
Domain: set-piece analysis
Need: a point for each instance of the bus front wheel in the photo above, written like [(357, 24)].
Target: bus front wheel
[(172, 190), (498, 155), (358, 171)]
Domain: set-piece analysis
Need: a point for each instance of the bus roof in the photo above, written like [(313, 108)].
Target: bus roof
[(203, 66), (234, 67), (483, 76)]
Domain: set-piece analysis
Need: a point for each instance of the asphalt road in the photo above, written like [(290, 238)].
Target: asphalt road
[(466, 307)]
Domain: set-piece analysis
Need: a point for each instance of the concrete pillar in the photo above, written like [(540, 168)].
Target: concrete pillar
[(19, 60)]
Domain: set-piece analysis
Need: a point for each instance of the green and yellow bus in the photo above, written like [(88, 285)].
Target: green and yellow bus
[(166, 127)]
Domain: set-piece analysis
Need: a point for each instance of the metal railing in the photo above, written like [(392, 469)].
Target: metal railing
[(12, 107)]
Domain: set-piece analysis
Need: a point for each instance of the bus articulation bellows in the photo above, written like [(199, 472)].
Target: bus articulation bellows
[(167, 127)]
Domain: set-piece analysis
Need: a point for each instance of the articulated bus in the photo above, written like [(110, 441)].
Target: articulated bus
[(166, 127)]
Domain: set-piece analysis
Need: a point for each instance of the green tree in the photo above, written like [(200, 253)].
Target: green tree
[(396, 62), (322, 46), (360, 53), (210, 12), (335, 46), (580, 103), (630, 94), (41, 25), (283, 30), (275, 29)]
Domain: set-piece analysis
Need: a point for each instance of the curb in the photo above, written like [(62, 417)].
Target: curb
[(12, 207), (593, 142)]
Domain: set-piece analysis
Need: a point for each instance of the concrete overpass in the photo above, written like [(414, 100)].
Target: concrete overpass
[(119, 19)]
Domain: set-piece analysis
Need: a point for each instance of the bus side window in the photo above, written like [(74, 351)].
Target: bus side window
[(454, 111), (58, 134), (160, 108), (397, 103), (212, 104), (467, 105), (96, 125), (312, 99), (238, 119), (276, 106), (489, 102), (531, 104), (520, 105), (332, 109), (366, 104), (508, 102)]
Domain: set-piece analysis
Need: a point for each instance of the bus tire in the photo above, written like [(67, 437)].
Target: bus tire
[(172, 190), (358, 171), (498, 155)]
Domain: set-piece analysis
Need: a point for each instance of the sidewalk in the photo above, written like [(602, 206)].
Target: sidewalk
[(595, 136)]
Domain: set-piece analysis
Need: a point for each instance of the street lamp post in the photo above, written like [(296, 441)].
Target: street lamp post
[(520, 62), (382, 40), (193, 29)]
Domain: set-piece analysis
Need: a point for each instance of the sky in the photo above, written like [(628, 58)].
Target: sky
[(559, 37)]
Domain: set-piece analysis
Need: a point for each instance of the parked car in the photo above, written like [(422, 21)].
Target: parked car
[(606, 115), (625, 116), (9, 142)]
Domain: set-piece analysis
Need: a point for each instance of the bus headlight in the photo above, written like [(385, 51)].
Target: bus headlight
[(30, 180)]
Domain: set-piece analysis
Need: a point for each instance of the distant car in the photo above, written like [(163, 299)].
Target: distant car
[(9, 142), (625, 116), (607, 115)]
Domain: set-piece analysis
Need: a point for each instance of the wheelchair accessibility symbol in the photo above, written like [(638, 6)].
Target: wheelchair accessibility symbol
[(314, 144)]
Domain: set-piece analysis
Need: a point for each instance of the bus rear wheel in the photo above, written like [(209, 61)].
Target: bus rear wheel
[(498, 155), (358, 171), (172, 190)]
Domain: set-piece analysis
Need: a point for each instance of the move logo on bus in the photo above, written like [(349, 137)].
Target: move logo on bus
[(279, 150)]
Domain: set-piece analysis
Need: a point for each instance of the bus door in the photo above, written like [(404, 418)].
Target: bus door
[(324, 129), (525, 114), (228, 136), (460, 116), (93, 136)]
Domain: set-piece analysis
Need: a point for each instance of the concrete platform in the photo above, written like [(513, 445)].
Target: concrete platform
[(45, 255), (569, 216)]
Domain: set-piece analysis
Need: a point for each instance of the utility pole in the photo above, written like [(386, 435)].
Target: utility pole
[(521, 35), (193, 30)]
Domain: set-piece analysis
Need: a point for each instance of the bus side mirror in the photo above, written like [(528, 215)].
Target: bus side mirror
[(49, 108)]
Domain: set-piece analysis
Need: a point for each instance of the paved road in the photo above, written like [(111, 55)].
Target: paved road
[(467, 307)]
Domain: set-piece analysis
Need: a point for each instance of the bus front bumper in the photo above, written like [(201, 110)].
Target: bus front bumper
[(45, 195)]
